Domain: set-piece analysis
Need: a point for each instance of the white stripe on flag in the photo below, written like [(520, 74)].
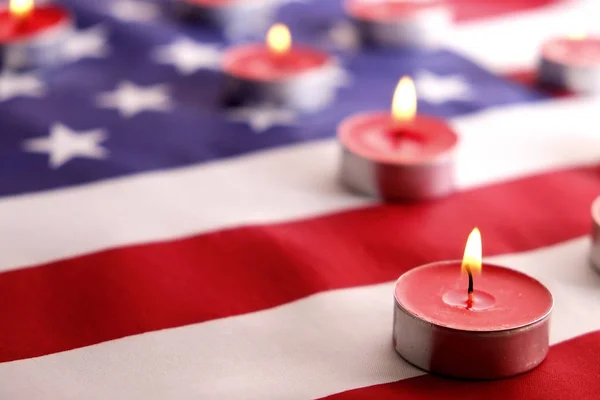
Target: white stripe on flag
[(509, 142), (293, 182), (323, 344), (513, 41)]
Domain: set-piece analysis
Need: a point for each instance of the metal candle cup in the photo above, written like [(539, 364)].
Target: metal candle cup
[(34, 39), (297, 77), (498, 330), (397, 161), (595, 251), (226, 13), (390, 23), (571, 63)]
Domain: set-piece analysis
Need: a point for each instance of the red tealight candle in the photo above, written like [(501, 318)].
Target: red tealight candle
[(595, 253), (30, 36), (467, 326), (296, 76), (398, 155), (400, 23), (571, 63), (226, 13)]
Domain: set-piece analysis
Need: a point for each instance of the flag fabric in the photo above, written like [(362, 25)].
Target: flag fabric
[(157, 245)]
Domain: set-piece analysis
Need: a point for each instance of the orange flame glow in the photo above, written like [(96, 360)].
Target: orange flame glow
[(21, 8), (472, 258), (576, 35), (404, 103), (279, 39)]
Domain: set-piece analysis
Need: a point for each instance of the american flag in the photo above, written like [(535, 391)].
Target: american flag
[(154, 245)]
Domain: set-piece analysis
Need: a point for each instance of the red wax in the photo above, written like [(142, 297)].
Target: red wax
[(576, 52), (388, 10), (504, 298), (377, 136), (257, 63), (42, 19)]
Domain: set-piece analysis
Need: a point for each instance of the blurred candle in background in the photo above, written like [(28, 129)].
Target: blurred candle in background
[(30, 35)]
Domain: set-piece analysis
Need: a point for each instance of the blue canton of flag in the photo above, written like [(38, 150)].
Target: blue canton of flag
[(142, 91)]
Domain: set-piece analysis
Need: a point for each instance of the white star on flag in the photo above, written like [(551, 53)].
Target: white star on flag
[(64, 144), (262, 117), (339, 76), (23, 84), (134, 10), (84, 44), (130, 99), (188, 56), (440, 89), (344, 36)]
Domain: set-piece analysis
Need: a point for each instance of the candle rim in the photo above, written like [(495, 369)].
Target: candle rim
[(232, 57), (541, 319), (344, 131)]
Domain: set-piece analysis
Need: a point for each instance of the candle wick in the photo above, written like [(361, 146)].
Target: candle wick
[(21, 21), (395, 138), (398, 133), (470, 289)]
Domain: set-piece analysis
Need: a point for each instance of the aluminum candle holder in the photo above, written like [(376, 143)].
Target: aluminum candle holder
[(389, 23), (398, 156), (572, 64), (385, 172), (279, 73), (595, 251), (229, 13), (496, 328), (34, 39)]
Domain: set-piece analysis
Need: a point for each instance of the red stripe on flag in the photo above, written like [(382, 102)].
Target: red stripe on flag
[(529, 79), (131, 290), (570, 372), (468, 10)]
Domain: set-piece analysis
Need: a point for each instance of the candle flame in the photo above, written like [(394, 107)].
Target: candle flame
[(472, 258), (577, 35), (21, 8), (404, 103), (279, 39)]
